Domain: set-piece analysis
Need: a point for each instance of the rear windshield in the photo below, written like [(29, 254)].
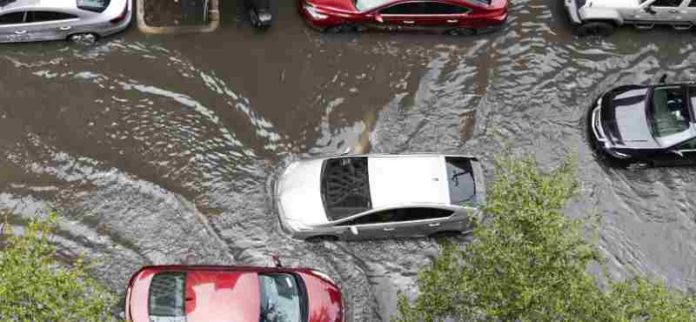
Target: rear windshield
[(460, 179), (280, 298), (166, 298), (345, 187), (93, 5)]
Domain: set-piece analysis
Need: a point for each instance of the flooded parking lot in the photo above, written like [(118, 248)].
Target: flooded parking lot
[(161, 148)]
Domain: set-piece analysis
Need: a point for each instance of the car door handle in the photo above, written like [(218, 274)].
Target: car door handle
[(388, 229), (20, 32), (673, 11), (64, 28), (409, 22), (452, 21), (437, 224)]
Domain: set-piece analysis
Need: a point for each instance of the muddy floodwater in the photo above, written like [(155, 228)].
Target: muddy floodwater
[(161, 148)]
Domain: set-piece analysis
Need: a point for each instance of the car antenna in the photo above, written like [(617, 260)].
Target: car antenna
[(663, 79), (276, 260)]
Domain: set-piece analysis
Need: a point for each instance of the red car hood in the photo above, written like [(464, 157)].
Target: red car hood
[(325, 300), (337, 5)]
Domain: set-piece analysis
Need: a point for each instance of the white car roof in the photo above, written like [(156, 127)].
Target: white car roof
[(396, 180)]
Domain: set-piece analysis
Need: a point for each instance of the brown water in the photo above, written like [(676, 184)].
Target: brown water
[(160, 149)]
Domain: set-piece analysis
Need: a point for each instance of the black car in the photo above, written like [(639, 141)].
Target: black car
[(651, 124)]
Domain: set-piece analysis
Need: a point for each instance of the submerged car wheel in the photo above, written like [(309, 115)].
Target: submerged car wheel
[(83, 38), (341, 29), (461, 32), (595, 28), (445, 234), (318, 239)]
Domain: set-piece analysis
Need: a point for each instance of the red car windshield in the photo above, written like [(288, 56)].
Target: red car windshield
[(166, 298), (280, 298)]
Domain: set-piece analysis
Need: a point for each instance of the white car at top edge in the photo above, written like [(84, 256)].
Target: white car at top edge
[(600, 17), (76, 20), (379, 196)]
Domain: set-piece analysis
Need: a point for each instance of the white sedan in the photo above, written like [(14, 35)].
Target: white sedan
[(379, 196)]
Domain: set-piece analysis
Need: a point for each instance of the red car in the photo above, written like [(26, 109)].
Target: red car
[(227, 293), (449, 16)]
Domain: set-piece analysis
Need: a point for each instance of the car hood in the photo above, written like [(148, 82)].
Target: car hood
[(624, 118), (298, 193), (324, 298), (612, 3), (334, 5)]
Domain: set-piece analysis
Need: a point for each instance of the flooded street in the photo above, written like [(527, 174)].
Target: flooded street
[(161, 148)]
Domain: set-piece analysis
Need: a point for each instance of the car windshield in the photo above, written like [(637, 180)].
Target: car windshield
[(93, 5), (364, 5), (345, 187), (280, 298), (166, 298), (668, 112), (460, 179)]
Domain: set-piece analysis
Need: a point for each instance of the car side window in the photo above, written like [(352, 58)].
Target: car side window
[(12, 18), (410, 8), (399, 215), (667, 3), (436, 8), (688, 145), (42, 16), (692, 3)]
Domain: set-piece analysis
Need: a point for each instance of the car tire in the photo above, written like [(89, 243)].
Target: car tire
[(461, 32), (321, 238), (341, 29), (86, 38), (445, 234), (595, 28)]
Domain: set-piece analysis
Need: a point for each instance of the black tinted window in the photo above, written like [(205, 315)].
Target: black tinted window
[(40, 16), (93, 5), (460, 180), (692, 3), (688, 145), (12, 18), (166, 298), (667, 3), (345, 187), (423, 8), (396, 215)]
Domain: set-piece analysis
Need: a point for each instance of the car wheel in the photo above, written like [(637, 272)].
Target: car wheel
[(341, 29), (322, 238), (461, 32), (87, 38), (595, 28), (445, 234)]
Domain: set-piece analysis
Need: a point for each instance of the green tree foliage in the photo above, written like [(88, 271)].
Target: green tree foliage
[(529, 262), (36, 287)]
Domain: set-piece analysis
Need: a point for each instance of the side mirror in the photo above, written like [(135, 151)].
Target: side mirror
[(276, 260), (379, 18), (649, 10), (354, 230), (663, 79), (677, 152)]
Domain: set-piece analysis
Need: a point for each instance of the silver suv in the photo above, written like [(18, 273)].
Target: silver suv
[(379, 196), (76, 20), (600, 17)]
